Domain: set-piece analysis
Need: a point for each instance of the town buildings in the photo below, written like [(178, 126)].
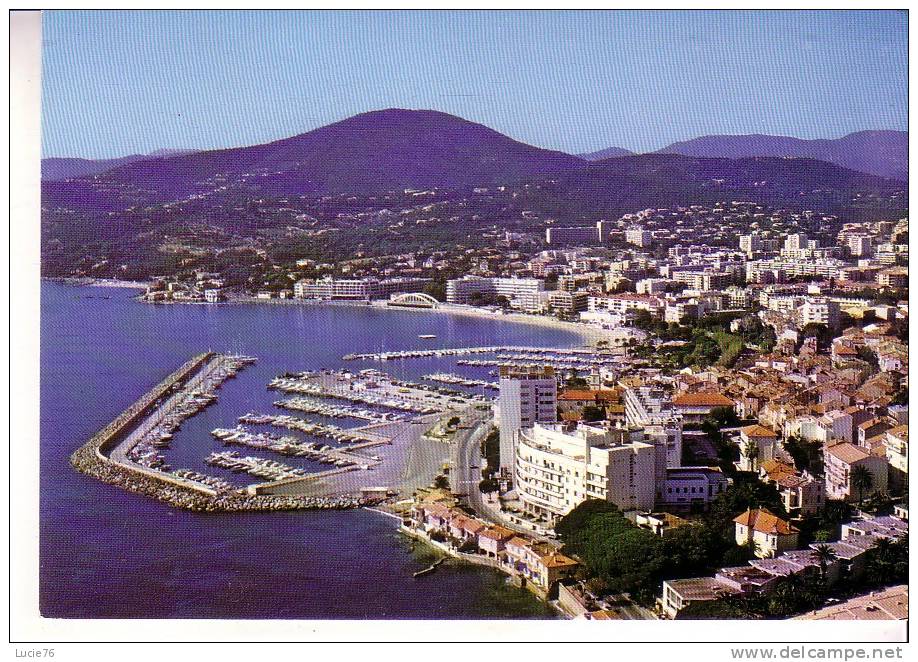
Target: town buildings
[(857, 544), (531, 563), (527, 397), (651, 410), (525, 291)]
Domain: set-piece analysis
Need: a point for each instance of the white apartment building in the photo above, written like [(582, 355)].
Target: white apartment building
[(705, 280), (213, 295), (896, 443), (639, 237), (558, 468), (527, 396), (796, 242), (652, 410), (739, 297), (460, 290), (860, 245), (651, 285), (622, 304), (840, 461), (355, 288), (687, 487), (764, 271), (750, 243), (819, 310)]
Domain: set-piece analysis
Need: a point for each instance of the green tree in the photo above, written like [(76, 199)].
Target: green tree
[(862, 481), (825, 555), (751, 453), (488, 485), (574, 380), (436, 289), (807, 455), (592, 413)]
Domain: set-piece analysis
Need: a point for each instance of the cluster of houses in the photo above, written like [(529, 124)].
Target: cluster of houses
[(775, 543), (534, 564), (204, 287)]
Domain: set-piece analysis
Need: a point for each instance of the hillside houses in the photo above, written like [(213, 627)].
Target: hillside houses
[(849, 560)]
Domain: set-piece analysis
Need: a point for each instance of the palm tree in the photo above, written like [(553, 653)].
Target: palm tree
[(751, 453), (861, 480), (881, 564), (825, 555)]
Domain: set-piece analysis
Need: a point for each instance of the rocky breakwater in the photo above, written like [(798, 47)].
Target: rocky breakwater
[(202, 500)]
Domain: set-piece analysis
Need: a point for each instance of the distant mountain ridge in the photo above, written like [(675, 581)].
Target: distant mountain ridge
[(882, 153), (57, 168), (398, 149), (607, 153)]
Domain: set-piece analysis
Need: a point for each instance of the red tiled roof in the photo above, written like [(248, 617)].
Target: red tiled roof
[(764, 521), (848, 452), (702, 400), (496, 533), (757, 431)]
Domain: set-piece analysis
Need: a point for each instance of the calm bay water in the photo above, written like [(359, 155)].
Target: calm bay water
[(107, 553)]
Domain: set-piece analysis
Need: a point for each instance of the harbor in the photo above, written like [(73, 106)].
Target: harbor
[(313, 429), (330, 549), (129, 451), (390, 439), (311, 406), (465, 351), (255, 466), (293, 447), (371, 387)]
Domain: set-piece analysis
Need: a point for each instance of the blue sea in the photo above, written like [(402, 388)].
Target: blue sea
[(108, 553)]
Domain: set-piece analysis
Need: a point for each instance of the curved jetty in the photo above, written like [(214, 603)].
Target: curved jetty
[(107, 454)]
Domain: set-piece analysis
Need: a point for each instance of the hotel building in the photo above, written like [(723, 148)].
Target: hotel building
[(558, 468), (527, 396)]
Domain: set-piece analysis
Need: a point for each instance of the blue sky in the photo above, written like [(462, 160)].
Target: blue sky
[(116, 83)]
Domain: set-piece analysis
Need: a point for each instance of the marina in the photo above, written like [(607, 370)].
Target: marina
[(311, 406), (465, 351), (522, 364), (129, 451), (307, 427), (255, 466), (375, 388), (292, 447), (143, 447), (449, 378)]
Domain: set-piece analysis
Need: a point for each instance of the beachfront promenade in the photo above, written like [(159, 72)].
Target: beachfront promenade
[(107, 454)]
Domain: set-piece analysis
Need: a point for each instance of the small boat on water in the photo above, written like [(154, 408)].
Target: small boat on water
[(427, 336)]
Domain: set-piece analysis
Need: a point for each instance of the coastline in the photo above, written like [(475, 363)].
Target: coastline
[(587, 334), (99, 282)]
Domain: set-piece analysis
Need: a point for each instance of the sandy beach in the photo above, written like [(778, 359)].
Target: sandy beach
[(589, 334)]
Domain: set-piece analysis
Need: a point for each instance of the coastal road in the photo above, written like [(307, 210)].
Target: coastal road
[(465, 470), (465, 474)]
